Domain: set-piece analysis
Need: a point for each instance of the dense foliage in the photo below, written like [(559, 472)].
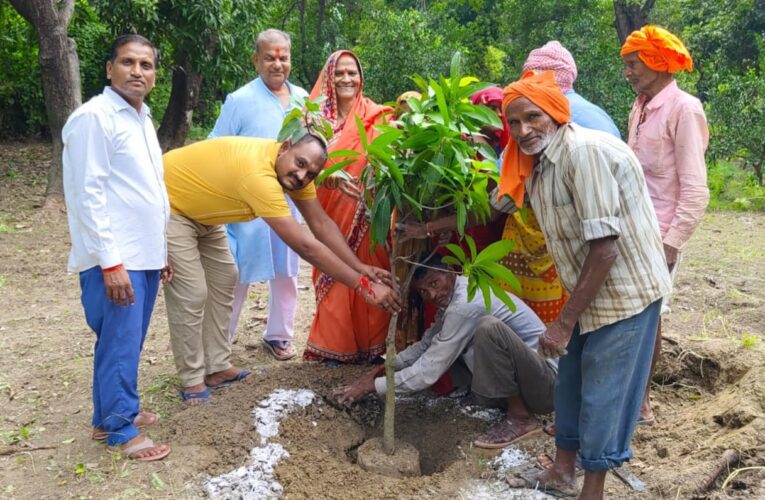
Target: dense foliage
[(397, 38)]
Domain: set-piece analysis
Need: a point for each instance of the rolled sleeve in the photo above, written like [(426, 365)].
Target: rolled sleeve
[(595, 229), (595, 193)]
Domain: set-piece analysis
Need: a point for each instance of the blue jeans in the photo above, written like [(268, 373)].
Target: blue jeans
[(600, 386), (120, 332)]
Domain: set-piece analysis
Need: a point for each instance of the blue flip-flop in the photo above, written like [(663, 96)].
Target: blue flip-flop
[(239, 376), (201, 397)]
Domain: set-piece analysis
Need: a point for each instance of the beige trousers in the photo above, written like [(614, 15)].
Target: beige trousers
[(199, 298)]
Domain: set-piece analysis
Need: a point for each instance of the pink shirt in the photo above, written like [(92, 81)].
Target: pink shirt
[(670, 144)]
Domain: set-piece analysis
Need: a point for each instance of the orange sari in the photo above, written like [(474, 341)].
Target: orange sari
[(345, 327)]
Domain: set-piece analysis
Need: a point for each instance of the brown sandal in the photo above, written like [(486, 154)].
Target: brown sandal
[(503, 434)]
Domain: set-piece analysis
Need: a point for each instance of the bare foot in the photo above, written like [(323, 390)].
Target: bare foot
[(554, 480), (646, 413), (507, 432)]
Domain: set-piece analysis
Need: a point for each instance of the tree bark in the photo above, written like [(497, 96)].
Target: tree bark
[(60, 72), (184, 96), (631, 15)]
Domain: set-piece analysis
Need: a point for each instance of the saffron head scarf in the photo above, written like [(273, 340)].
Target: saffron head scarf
[(540, 89), (487, 97), (556, 58), (659, 49)]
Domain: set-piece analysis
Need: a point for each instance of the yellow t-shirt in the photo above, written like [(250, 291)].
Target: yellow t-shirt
[(228, 179)]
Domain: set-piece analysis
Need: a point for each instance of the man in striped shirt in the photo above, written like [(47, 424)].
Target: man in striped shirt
[(590, 197)]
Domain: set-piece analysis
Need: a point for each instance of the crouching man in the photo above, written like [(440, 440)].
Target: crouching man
[(499, 347)]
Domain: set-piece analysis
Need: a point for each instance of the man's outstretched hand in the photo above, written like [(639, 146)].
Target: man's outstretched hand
[(362, 386)]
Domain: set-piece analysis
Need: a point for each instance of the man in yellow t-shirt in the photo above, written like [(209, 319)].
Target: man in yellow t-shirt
[(236, 179)]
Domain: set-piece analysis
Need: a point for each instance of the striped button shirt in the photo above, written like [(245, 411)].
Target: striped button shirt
[(588, 185)]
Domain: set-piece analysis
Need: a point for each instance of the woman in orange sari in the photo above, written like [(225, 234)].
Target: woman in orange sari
[(346, 329)]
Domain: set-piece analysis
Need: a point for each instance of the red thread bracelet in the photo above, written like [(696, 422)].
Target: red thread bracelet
[(364, 285), (113, 268)]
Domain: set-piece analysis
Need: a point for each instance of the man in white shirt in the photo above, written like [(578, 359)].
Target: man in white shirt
[(498, 347), (118, 209)]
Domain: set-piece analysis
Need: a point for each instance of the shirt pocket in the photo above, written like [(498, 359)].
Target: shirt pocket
[(652, 149)]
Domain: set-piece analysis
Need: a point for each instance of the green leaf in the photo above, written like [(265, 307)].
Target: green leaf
[(484, 285), (362, 132), (338, 153), (494, 252), (288, 129), (441, 100), (156, 482), (332, 169), (457, 251), (471, 245), (502, 295), (455, 67), (503, 274), (461, 218), (449, 260), (381, 215)]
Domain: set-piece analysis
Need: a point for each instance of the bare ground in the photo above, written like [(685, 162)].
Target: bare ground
[(709, 390)]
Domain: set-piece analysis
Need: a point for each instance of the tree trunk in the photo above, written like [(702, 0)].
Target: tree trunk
[(184, 96), (631, 15), (60, 72)]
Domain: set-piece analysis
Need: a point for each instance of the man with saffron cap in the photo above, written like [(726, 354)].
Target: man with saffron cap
[(589, 195), (555, 57), (669, 135)]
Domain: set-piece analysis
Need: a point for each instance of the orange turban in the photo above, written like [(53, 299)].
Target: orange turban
[(540, 89), (659, 49)]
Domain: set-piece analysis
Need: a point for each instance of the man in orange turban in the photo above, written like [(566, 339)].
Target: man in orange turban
[(589, 195), (668, 133)]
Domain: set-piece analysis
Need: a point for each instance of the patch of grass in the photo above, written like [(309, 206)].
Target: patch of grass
[(162, 392), (732, 188), (3, 281), (18, 435), (9, 169), (5, 229), (749, 341)]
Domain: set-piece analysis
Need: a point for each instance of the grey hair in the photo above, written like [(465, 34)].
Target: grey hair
[(271, 35)]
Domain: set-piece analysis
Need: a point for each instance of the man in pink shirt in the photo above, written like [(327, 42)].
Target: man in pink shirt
[(669, 135)]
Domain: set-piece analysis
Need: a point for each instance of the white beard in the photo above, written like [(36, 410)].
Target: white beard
[(539, 146)]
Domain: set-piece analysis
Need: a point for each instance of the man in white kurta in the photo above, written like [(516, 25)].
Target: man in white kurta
[(257, 110)]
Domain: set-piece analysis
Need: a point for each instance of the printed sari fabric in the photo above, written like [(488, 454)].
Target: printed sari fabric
[(345, 327), (529, 260)]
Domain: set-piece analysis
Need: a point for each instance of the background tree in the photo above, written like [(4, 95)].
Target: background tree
[(204, 39), (631, 15), (60, 74)]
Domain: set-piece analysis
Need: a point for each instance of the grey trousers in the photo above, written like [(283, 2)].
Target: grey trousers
[(505, 366)]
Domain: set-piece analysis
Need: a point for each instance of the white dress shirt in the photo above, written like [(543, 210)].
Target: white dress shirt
[(116, 199)]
